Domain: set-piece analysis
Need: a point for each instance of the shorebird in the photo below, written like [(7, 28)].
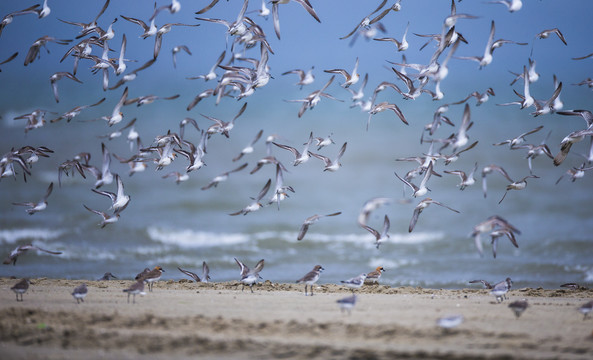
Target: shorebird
[(9, 59), (148, 30), (543, 107), (575, 173), (495, 224), (223, 127), (151, 276), (568, 141), (132, 75), (195, 155), (117, 116), (451, 20), (314, 98), (486, 284), (499, 290), (495, 234), (331, 165), (177, 49), (526, 99), (41, 205), (276, 18), (162, 31), (256, 204), (355, 282), (367, 21), (374, 276), (422, 189), (103, 176), (8, 18), (382, 236), (22, 249), (449, 322), (35, 119), (546, 33), (466, 179), (107, 219), (280, 190), (383, 106), (222, 177), (370, 206), (205, 273), (423, 204), (300, 157), (148, 99), (90, 26), (41, 42), (347, 303), (584, 309), (69, 115), (571, 286), (135, 289), (311, 220), (305, 78), (585, 114), (488, 170), (211, 75), (265, 161), (119, 200), (486, 58), (519, 139), (512, 5), (235, 28), (250, 277), (173, 8), (21, 287), (58, 76), (401, 45), (80, 292), (249, 148), (107, 276), (480, 97), (518, 307), (311, 278), (350, 78)]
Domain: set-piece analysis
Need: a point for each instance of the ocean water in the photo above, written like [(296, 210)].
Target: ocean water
[(180, 225)]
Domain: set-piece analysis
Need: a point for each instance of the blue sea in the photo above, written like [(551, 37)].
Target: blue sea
[(180, 225)]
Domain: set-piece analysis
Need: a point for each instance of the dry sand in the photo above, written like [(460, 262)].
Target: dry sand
[(183, 319)]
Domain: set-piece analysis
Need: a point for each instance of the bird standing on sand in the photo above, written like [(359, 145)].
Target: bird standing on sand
[(135, 289), (20, 288), (80, 292), (311, 278), (250, 277), (355, 282), (205, 273), (151, 276), (374, 276)]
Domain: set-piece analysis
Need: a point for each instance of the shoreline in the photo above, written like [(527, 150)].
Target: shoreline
[(181, 319)]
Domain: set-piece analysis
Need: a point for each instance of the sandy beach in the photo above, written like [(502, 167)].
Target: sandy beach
[(182, 319)]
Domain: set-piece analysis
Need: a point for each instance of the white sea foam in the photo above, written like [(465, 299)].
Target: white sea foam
[(390, 263), (413, 238), (589, 275), (193, 239), (12, 236)]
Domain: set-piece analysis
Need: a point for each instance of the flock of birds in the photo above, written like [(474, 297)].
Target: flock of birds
[(238, 73)]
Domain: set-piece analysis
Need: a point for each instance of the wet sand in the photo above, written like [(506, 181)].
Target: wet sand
[(182, 319)]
